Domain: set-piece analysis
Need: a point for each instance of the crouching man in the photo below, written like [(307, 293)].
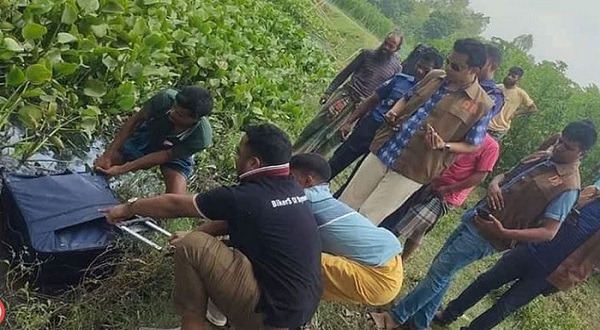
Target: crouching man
[(271, 278), (360, 263)]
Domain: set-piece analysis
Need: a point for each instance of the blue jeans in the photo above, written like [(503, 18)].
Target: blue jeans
[(518, 265), (463, 247)]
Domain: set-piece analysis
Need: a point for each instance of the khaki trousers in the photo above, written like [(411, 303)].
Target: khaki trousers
[(207, 268), (376, 191)]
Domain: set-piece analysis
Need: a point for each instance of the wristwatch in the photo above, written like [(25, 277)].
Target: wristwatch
[(446, 147), (130, 203)]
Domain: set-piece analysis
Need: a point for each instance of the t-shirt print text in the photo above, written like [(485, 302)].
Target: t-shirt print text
[(288, 201)]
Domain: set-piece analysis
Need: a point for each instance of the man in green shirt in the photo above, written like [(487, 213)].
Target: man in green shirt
[(169, 129)]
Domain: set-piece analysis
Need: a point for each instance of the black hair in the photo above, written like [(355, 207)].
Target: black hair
[(493, 53), (473, 49), (582, 132), (269, 143), (432, 55), (196, 100), (312, 163), (516, 70)]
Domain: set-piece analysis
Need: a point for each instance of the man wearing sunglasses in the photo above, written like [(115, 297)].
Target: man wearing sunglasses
[(169, 129), (373, 109), (445, 114), (524, 205)]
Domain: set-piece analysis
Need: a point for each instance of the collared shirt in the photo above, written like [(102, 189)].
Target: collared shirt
[(392, 149), (347, 233), (495, 93), (392, 91), (270, 223), (557, 209)]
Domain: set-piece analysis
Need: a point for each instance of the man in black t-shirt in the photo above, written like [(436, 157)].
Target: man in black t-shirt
[(271, 278)]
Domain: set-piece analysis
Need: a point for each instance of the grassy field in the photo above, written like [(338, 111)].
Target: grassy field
[(139, 293)]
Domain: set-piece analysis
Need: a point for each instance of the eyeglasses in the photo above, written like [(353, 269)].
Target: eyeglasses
[(454, 66)]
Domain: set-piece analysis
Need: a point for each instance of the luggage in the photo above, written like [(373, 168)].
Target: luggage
[(54, 225)]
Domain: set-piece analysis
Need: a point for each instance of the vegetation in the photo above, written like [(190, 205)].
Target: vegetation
[(72, 66)]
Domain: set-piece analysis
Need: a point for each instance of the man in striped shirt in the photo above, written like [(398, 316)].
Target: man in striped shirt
[(367, 71)]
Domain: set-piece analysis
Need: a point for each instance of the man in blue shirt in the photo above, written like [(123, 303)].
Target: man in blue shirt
[(372, 111), (530, 265), (360, 263), (526, 204)]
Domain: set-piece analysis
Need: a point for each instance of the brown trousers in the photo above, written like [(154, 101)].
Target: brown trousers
[(207, 268)]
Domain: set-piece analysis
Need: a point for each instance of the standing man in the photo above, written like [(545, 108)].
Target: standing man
[(449, 190), (515, 97), (417, 216), (538, 268), (369, 70), (271, 278), (526, 204), (444, 115), (169, 129), (372, 111)]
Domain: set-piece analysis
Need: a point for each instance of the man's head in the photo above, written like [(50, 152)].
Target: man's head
[(576, 139), (493, 60), (262, 145), (310, 169), (514, 75), (391, 43), (429, 60), (465, 61), (191, 104)]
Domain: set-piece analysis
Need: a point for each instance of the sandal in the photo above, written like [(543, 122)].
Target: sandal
[(382, 322)]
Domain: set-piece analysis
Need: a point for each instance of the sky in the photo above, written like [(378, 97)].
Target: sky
[(562, 30)]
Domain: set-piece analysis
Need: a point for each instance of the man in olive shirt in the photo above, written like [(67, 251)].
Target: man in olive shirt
[(515, 97), (169, 129)]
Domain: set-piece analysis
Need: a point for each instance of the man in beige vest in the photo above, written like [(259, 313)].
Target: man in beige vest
[(515, 97), (445, 114), (538, 268), (526, 204)]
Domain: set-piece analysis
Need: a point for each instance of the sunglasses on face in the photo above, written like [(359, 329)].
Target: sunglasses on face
[(453, 65)]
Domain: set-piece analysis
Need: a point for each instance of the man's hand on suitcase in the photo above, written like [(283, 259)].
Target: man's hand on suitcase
[(118, 213)]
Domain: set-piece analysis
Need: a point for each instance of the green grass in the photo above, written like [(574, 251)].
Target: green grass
[(138, 294)]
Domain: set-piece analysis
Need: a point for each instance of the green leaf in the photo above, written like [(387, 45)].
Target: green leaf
[(15, 77), (91, 111), (88, 6), (65, 38), (113, 7), (69, 14), (155, 40), (88, 124), (65, 69), (40, 6), (32, 93), (110, 62), (126, 89), (38, 74), (30, 116), (12, 45), (126, 102), (94, 88), (100, 30), (57, 142), (214, 82), (33, 31)]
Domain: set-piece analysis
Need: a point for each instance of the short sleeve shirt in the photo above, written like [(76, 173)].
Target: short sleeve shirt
[(162, 136), (271, 224)]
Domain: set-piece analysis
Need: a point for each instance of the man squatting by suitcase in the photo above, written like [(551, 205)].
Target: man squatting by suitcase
[(169, 129), (271, 277)]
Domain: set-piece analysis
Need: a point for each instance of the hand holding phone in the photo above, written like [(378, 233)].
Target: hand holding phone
[(485, 215)]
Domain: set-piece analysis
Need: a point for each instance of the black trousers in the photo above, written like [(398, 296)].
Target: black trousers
[(518, 265), (356, 146)]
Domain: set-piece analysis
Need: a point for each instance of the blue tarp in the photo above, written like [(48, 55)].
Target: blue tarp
[(61, 212)]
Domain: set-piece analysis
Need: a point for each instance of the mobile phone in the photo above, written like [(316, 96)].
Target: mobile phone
[(484, 214)]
